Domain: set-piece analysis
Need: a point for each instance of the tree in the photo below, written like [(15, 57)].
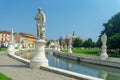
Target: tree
[(112, 30), (88, 43), (77, 42), (114, 41), (48, 43), (98, 43)]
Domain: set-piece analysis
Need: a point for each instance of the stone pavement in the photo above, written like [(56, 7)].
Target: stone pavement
[(20, 71)]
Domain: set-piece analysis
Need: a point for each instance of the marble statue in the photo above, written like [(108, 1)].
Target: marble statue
[(70, 45), (39, 58), (103, 55), (40, 24), (104, 39), (70, 41), (12, 35), (11, 45)]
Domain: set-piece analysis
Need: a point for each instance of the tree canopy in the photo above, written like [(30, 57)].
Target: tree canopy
[(88, 43), (112, 30), (77, 43)]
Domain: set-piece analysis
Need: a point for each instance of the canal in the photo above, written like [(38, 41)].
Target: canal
[(107, 73)]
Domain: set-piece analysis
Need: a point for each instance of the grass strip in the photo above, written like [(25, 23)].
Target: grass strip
[(3, 49), (4, 77)]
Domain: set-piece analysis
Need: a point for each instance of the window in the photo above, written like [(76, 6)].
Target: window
[(5, 39), (2, 39), (2, 34)]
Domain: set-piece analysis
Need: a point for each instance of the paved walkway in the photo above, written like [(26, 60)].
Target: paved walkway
[(20, 71)]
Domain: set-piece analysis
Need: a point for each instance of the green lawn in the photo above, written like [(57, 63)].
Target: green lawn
[(3, 49), (85, 51), (93, 52), (4, 77)]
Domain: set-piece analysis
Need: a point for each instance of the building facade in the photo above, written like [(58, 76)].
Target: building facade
[(24, 39), (4, 38)]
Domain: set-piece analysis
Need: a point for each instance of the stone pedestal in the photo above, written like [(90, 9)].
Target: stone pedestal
[(69, 49), (58, 48), (11, 45), (11, 48), (39, 58), (55, 45), (103, 55)]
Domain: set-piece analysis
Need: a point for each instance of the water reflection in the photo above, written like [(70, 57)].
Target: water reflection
[(103, 72), (69, 65), (56, 62)]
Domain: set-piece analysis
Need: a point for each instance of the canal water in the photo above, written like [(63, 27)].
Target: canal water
[(103, 72)]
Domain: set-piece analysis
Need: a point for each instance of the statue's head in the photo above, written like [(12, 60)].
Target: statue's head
[(40, 9)]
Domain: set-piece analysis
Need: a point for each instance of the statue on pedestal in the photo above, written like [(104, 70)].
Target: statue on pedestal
[(70, 45), (39, 58), (103, 55), (11, 45), (40, 24)]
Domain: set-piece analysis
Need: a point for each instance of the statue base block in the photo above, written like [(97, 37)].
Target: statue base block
[(103, 56), (37, 63), (39, 58), (69, 51), (11, 48)]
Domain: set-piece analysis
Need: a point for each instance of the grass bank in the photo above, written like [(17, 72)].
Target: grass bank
[(93, 52), (4, 77), (3, 49)]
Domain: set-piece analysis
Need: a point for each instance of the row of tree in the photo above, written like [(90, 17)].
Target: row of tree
[(78, 42)]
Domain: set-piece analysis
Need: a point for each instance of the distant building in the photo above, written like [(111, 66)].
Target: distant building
[(4, 38), (27, 40), (64, 40), (24, 39)]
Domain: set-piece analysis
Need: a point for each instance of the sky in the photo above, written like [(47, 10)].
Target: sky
[(85, 17)]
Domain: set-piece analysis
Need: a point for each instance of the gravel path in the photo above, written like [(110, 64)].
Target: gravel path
[(20, 71)]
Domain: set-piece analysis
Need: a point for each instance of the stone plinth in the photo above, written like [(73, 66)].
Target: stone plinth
[(58, 49), (11, 45), (69, 49), (103, 55), (11, 48), (39, 58)]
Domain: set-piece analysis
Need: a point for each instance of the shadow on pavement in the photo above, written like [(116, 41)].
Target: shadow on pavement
[(18, 66)]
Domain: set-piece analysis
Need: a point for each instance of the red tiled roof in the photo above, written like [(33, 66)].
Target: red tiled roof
[(27, 35)]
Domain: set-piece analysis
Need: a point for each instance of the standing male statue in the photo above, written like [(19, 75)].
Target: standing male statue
[(40, 24)]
